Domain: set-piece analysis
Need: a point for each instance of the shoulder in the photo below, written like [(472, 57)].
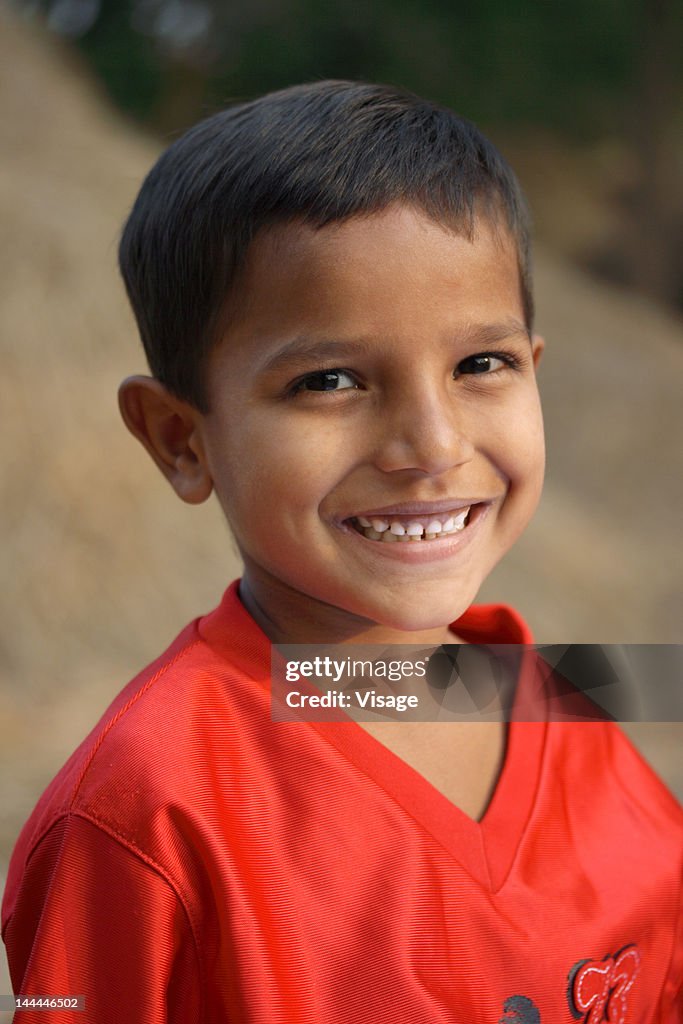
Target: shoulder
[(607, 775), (635, 776), (147, 763), (130, 728)]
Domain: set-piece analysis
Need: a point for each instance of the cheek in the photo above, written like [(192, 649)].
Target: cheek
[(527, 464), (281, 469), (535, 439), (514, 442)]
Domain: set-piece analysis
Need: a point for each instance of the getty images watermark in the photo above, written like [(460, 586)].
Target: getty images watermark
[(570, 682)]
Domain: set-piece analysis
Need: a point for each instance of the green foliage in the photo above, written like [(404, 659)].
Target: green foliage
[(572, 67), (131, 74)]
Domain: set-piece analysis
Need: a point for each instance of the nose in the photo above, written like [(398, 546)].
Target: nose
[(422, 429)]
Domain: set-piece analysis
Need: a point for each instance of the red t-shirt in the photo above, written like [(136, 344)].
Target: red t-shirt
[(196, 862)]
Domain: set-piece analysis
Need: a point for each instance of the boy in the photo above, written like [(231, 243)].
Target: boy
[(332, 285)]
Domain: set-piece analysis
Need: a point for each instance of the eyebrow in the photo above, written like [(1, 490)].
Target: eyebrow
[(490, 334), (302, 350)]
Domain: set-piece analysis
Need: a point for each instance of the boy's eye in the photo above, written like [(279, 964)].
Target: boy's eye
[(486, 362), (326, 380)]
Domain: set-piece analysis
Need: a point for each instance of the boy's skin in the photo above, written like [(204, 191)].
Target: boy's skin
[(409, 300)]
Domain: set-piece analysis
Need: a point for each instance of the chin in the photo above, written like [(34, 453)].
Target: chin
[(417, 622), (413, 616)]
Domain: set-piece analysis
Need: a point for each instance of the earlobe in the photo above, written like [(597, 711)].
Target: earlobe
[(167, 427)]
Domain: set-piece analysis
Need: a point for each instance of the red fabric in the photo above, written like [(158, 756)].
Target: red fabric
[(196, 862)]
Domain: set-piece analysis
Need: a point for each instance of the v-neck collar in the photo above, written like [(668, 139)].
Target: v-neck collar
[(485, 848)]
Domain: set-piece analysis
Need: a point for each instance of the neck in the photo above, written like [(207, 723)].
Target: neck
[(287, 616)]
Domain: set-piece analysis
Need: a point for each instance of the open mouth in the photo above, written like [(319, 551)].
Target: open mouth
[(410, 529)]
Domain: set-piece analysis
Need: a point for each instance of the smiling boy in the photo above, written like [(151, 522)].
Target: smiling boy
[(332, 285)]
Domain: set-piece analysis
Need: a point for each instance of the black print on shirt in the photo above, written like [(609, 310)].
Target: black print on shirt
[(520, 1010)]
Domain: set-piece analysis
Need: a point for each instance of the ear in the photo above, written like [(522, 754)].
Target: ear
[(168, 428), (537, 348)]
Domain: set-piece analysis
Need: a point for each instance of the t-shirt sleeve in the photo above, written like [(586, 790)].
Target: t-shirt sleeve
[(94, 918), (672, 997)]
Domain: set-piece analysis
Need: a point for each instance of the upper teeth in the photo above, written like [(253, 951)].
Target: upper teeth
[(416, 526)]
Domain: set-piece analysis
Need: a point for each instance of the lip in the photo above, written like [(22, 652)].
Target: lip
[(427, 551), (424, 508)]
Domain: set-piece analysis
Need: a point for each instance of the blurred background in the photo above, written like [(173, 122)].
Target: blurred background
[(102, 566)]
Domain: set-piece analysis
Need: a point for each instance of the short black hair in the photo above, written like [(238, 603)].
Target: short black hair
[(315, 153)]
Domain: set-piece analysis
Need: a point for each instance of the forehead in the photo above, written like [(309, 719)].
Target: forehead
[(385, 273)]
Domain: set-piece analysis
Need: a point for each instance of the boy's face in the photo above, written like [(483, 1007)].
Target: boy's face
[(346, 391)]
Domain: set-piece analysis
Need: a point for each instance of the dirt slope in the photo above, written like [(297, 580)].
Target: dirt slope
[(102, 565)]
